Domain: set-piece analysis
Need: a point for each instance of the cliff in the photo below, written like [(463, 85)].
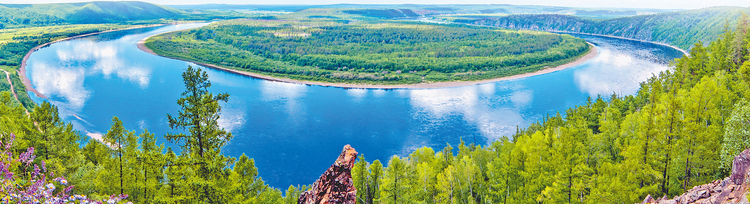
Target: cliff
[(335, 185), (732, 189), (682, 29)]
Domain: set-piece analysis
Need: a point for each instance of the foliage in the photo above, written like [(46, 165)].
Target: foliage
[(35, 184), (672, 135), (126, 163), (682, 29), (736, 134), (369, 52)]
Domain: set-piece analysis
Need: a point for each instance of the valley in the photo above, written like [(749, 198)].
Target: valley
[(476, 104)]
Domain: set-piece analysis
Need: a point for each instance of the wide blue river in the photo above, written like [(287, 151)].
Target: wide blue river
[(294, 132)]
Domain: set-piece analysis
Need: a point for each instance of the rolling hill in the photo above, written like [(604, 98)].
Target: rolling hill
[(24, 15), (682, 28)]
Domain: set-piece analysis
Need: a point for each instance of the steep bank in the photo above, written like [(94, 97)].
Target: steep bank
[(682, 29)]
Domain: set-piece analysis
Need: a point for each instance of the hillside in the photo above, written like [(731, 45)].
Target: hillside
[(22, 15), (680, 130), (682, 29)]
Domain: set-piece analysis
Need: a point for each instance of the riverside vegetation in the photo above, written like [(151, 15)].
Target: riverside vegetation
[(681, 29), (369, 52), (25, 26), (682, 128)]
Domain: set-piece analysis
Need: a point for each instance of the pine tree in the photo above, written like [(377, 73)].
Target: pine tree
[(200, 115), (116, 140)]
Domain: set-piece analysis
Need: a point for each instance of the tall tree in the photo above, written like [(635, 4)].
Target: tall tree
[(199, 114), (736, 134), (48, 123), (116, 139)]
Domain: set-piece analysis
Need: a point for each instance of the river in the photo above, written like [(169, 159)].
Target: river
[(294, 132)]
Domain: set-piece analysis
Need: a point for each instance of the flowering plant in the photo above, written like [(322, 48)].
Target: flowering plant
[(38, 188)]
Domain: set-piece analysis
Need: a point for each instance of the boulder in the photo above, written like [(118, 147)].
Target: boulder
[(740, 167), (335, 185), (730, 190)]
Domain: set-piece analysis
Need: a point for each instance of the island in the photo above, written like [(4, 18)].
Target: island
[(371, 54)]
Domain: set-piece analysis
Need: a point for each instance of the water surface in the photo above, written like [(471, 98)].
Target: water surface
[(294, 132)]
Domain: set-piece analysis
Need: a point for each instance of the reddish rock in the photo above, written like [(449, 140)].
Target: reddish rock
[(335, 185), (739, 167), (648, 199), (730, 190)]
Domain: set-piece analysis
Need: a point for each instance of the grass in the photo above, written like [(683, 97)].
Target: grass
[(8, 35)]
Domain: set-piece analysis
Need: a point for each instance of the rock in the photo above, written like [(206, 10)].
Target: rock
[(740, 167), (668, 202), (335, 185), (648, 199), (732, 189)]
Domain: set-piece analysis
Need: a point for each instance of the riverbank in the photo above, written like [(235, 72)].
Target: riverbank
[(686, 53), (22, 69), (593, 52)]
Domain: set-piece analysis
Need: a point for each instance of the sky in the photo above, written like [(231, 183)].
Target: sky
[(659, 4)]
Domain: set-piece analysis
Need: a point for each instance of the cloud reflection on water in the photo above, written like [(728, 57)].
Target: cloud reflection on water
[(288, 94), (616, 72), (484, 106), (61, 83)]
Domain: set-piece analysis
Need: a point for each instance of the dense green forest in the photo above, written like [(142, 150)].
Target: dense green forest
[(125, 162), (681, 129), (370, 52), (682, 29)]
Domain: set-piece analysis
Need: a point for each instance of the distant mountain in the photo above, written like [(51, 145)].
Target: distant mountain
[(427, 9), (682, 28), (384, 13), (90, 12)]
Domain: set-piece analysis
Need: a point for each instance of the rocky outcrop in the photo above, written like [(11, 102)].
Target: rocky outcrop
[(335, 185), (732, 189)]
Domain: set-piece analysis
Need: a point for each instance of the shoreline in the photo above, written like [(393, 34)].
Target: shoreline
[(13, 90), (22, 69), (593, 52), (685, 52)]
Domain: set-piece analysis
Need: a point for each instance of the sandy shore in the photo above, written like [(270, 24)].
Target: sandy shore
[(22, 69), (592, 53)]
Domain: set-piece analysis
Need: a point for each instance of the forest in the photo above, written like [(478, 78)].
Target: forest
[(681, 29), (681, 129), (373, 52)]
